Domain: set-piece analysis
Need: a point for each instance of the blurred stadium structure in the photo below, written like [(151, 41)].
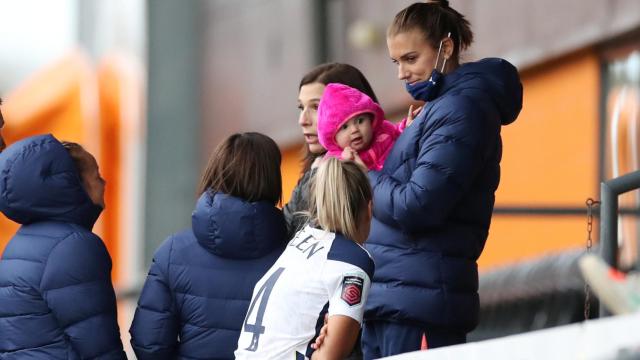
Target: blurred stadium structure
[(150, 87)]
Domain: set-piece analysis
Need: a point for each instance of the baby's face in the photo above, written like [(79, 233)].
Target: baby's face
[(356, 133)]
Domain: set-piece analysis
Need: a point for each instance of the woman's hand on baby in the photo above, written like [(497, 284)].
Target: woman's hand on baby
[(412, 114), (359, 162)]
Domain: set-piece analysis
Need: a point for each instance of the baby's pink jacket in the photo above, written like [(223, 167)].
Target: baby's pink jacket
[(338, 104)]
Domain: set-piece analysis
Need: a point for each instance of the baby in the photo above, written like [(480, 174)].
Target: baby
[(350, 123)]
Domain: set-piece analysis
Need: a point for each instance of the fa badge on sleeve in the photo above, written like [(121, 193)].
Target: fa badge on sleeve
[(352, 289)]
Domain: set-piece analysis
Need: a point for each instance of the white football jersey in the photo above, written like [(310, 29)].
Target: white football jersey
[(318, 272)]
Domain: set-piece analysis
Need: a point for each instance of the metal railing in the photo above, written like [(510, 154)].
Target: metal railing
[(610, 190)]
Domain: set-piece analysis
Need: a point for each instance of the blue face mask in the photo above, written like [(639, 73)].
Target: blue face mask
[(425, 90), (428, 90)]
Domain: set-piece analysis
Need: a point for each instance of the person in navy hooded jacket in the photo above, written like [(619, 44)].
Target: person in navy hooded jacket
[(434, 197), (201, 280), (56, 296)]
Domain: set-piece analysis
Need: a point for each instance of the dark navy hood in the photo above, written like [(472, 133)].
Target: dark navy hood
[(233, 228), (39, 182), (497, 78)]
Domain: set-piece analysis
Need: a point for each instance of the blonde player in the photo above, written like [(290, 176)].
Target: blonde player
[(324, 270)]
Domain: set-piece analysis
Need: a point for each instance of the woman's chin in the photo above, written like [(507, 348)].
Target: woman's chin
[(316, 149)]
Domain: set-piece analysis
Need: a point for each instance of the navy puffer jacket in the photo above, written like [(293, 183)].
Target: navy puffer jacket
[(56, 296), (434, 198), (200, 284)]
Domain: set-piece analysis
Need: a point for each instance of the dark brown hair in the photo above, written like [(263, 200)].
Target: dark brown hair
[(334, 73), (245, 165), (77, 153), (435, 19)]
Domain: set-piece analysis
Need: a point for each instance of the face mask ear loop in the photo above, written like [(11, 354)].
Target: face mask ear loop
[(438, 57), (435, 66)]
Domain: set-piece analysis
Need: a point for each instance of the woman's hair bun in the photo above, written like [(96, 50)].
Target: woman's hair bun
[(443, 3)]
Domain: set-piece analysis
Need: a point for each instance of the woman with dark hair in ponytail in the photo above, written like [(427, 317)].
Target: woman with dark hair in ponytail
[(433, 199)]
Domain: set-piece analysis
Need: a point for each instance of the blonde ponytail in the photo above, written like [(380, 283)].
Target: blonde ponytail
[(339, 194)]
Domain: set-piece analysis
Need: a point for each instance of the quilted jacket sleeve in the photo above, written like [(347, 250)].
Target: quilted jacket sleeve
[(154, 331), (76, 284), (448, 160)]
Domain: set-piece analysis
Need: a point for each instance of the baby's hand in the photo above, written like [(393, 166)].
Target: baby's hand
[(348, 154)]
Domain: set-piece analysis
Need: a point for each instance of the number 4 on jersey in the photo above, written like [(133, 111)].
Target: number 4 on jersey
[(265, 291)]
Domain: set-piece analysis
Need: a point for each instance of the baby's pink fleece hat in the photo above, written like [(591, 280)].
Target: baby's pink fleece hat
[(338, 104)]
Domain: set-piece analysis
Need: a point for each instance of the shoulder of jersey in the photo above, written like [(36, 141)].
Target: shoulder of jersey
[(348, 251)]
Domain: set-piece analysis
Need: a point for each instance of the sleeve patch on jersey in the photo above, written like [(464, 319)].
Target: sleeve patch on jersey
[(352, 290)]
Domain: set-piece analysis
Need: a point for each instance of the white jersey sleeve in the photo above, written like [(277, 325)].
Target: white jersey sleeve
[(349, 286), (347, 275)]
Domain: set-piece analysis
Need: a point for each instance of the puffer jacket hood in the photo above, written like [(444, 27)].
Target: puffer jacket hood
[(497, 77), (230, 227), (339, 103), (39, 182)]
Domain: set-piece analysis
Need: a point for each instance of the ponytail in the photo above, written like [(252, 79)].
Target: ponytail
[(339, 194), (434, 19), (443, 3)]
